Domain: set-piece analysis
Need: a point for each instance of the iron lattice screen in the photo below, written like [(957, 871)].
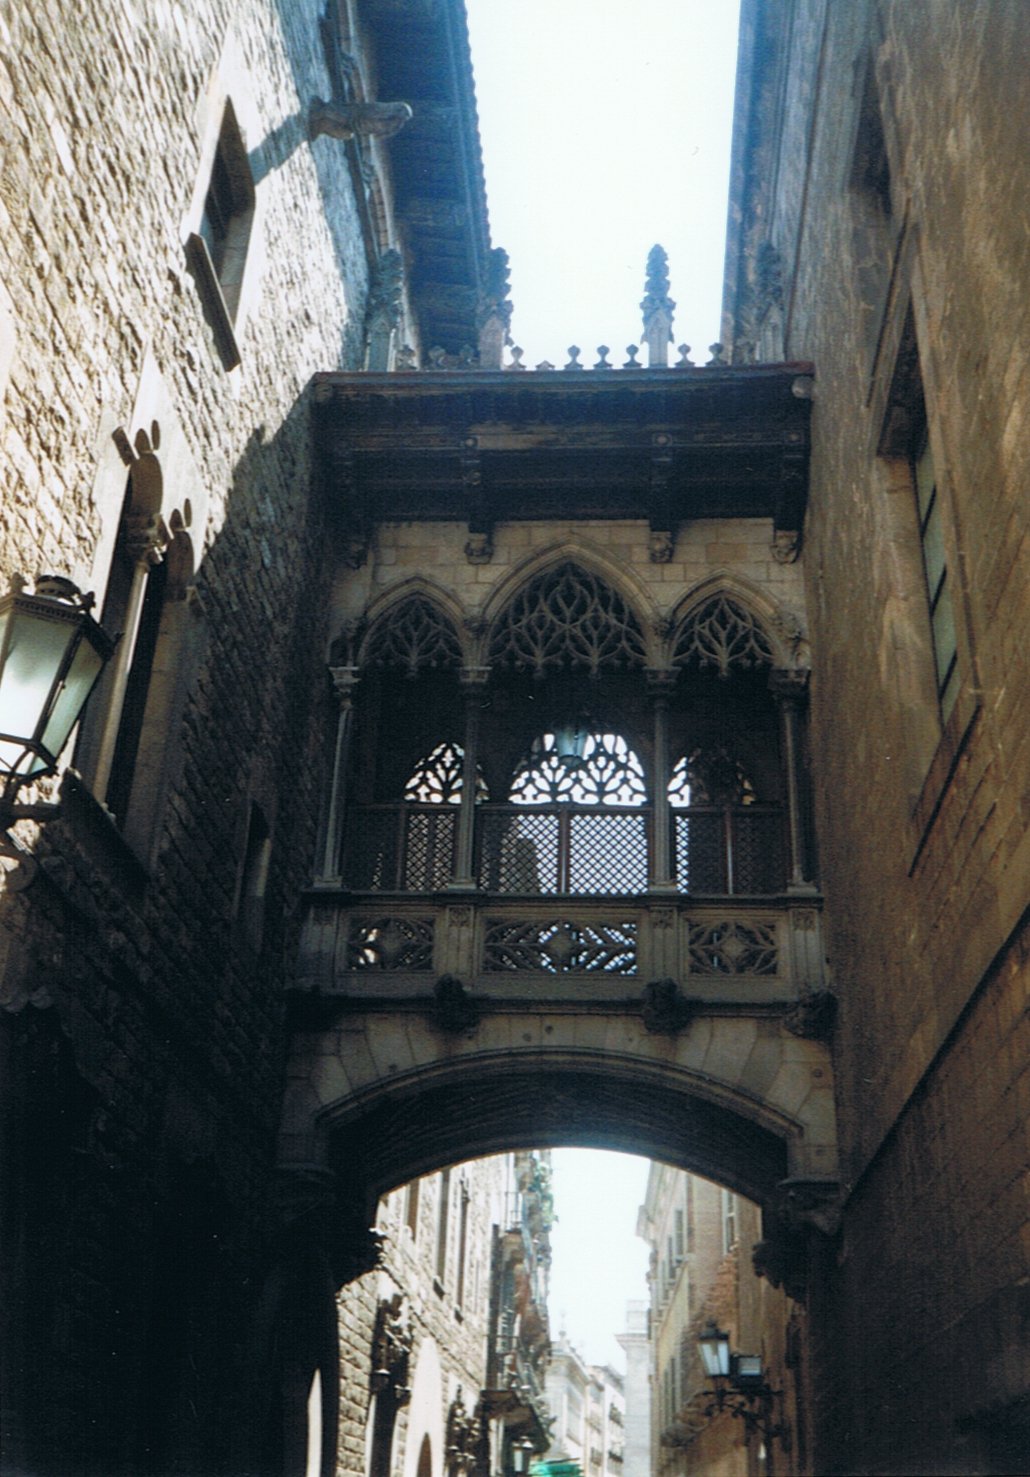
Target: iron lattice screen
[(563, 849), (700, 851), (730, 851), (519, 851), (608, 853), (758, 853), (404, 848)]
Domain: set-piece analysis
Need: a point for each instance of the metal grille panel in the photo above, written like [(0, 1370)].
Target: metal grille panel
[(400, 848), (758, 851), (429, 848), (700, 851), (519, 851), (608, 853)]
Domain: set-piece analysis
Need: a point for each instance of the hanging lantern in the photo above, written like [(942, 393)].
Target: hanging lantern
[(51, 653)]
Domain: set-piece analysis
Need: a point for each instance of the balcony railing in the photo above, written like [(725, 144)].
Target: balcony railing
[(566, 850)]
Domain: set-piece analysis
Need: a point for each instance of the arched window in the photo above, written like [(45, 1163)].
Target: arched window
[(606, 772), (437, 778)]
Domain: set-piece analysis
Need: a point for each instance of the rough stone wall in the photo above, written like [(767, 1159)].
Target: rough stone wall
[(922, 825), (146, 1065)]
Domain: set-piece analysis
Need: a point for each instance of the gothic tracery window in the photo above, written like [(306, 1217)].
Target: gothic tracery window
[(437, 778), (609, 773), (710, 776), (722, 633), (567, 617), (413, 636)]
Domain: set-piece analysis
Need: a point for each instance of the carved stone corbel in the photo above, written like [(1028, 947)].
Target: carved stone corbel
[(356, 120), (812, 1016), (454, 1010), (665, 1008)]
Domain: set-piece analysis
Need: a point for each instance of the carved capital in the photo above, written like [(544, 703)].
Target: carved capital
[(392, 1343), (473, 679), (357, 120), (660, 545), (789, 683), (344, 680), (146, 538), (479, 548), (661, 681), (810, 1203)]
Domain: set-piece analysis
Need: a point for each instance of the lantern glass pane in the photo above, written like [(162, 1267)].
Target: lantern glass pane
[(715, 1353), (32, 649), (78, 683)]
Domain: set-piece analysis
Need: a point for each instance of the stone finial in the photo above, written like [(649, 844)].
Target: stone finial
[(357, 120), (493, 313), (657, 308), (383, 309), (718, 359), (632, 362), (602, 357), (573, 357), (516, 357), (684, 361)]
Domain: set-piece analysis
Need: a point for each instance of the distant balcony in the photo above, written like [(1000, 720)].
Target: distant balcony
[(566, 850)]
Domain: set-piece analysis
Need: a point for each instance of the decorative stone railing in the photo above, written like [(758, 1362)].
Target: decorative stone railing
[(725, 951)]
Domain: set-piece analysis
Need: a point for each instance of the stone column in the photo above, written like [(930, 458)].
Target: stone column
[(146, 539), (788, 686), (473, 681), (660, 684), (345, 679)]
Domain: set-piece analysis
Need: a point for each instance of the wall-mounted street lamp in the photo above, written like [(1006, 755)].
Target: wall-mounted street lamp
[(521, 1456), (51, 653), (738, 1386)]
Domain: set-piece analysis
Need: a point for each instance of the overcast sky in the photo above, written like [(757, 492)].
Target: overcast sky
[(606, 129)]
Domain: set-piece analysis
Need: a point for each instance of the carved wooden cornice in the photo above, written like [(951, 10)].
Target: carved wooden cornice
[(484, 447)]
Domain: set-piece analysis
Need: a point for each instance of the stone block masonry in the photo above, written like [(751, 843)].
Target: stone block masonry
[(142, 1037)]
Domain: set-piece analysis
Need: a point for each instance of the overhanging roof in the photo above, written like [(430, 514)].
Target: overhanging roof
[(483, 447)]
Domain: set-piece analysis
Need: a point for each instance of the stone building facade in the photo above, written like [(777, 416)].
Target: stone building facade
[(702, 1274), (289, 945), (880, 177), (587, 1405)]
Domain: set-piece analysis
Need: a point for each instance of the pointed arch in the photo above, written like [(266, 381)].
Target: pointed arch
[(726, 621), (567, 612), (414, 625), (593, 560)]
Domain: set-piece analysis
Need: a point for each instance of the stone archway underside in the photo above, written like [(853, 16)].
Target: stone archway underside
[(381, 1097)]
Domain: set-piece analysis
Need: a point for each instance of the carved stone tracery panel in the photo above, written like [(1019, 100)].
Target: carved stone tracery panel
[(412, 636), (722, 633), (567, 617)]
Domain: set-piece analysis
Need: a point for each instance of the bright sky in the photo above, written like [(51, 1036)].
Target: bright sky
[(606, 128), (599, 1263)]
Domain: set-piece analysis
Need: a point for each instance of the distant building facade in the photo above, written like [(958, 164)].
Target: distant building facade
[(702, 1237), (588, 1412), (635, 1342)]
